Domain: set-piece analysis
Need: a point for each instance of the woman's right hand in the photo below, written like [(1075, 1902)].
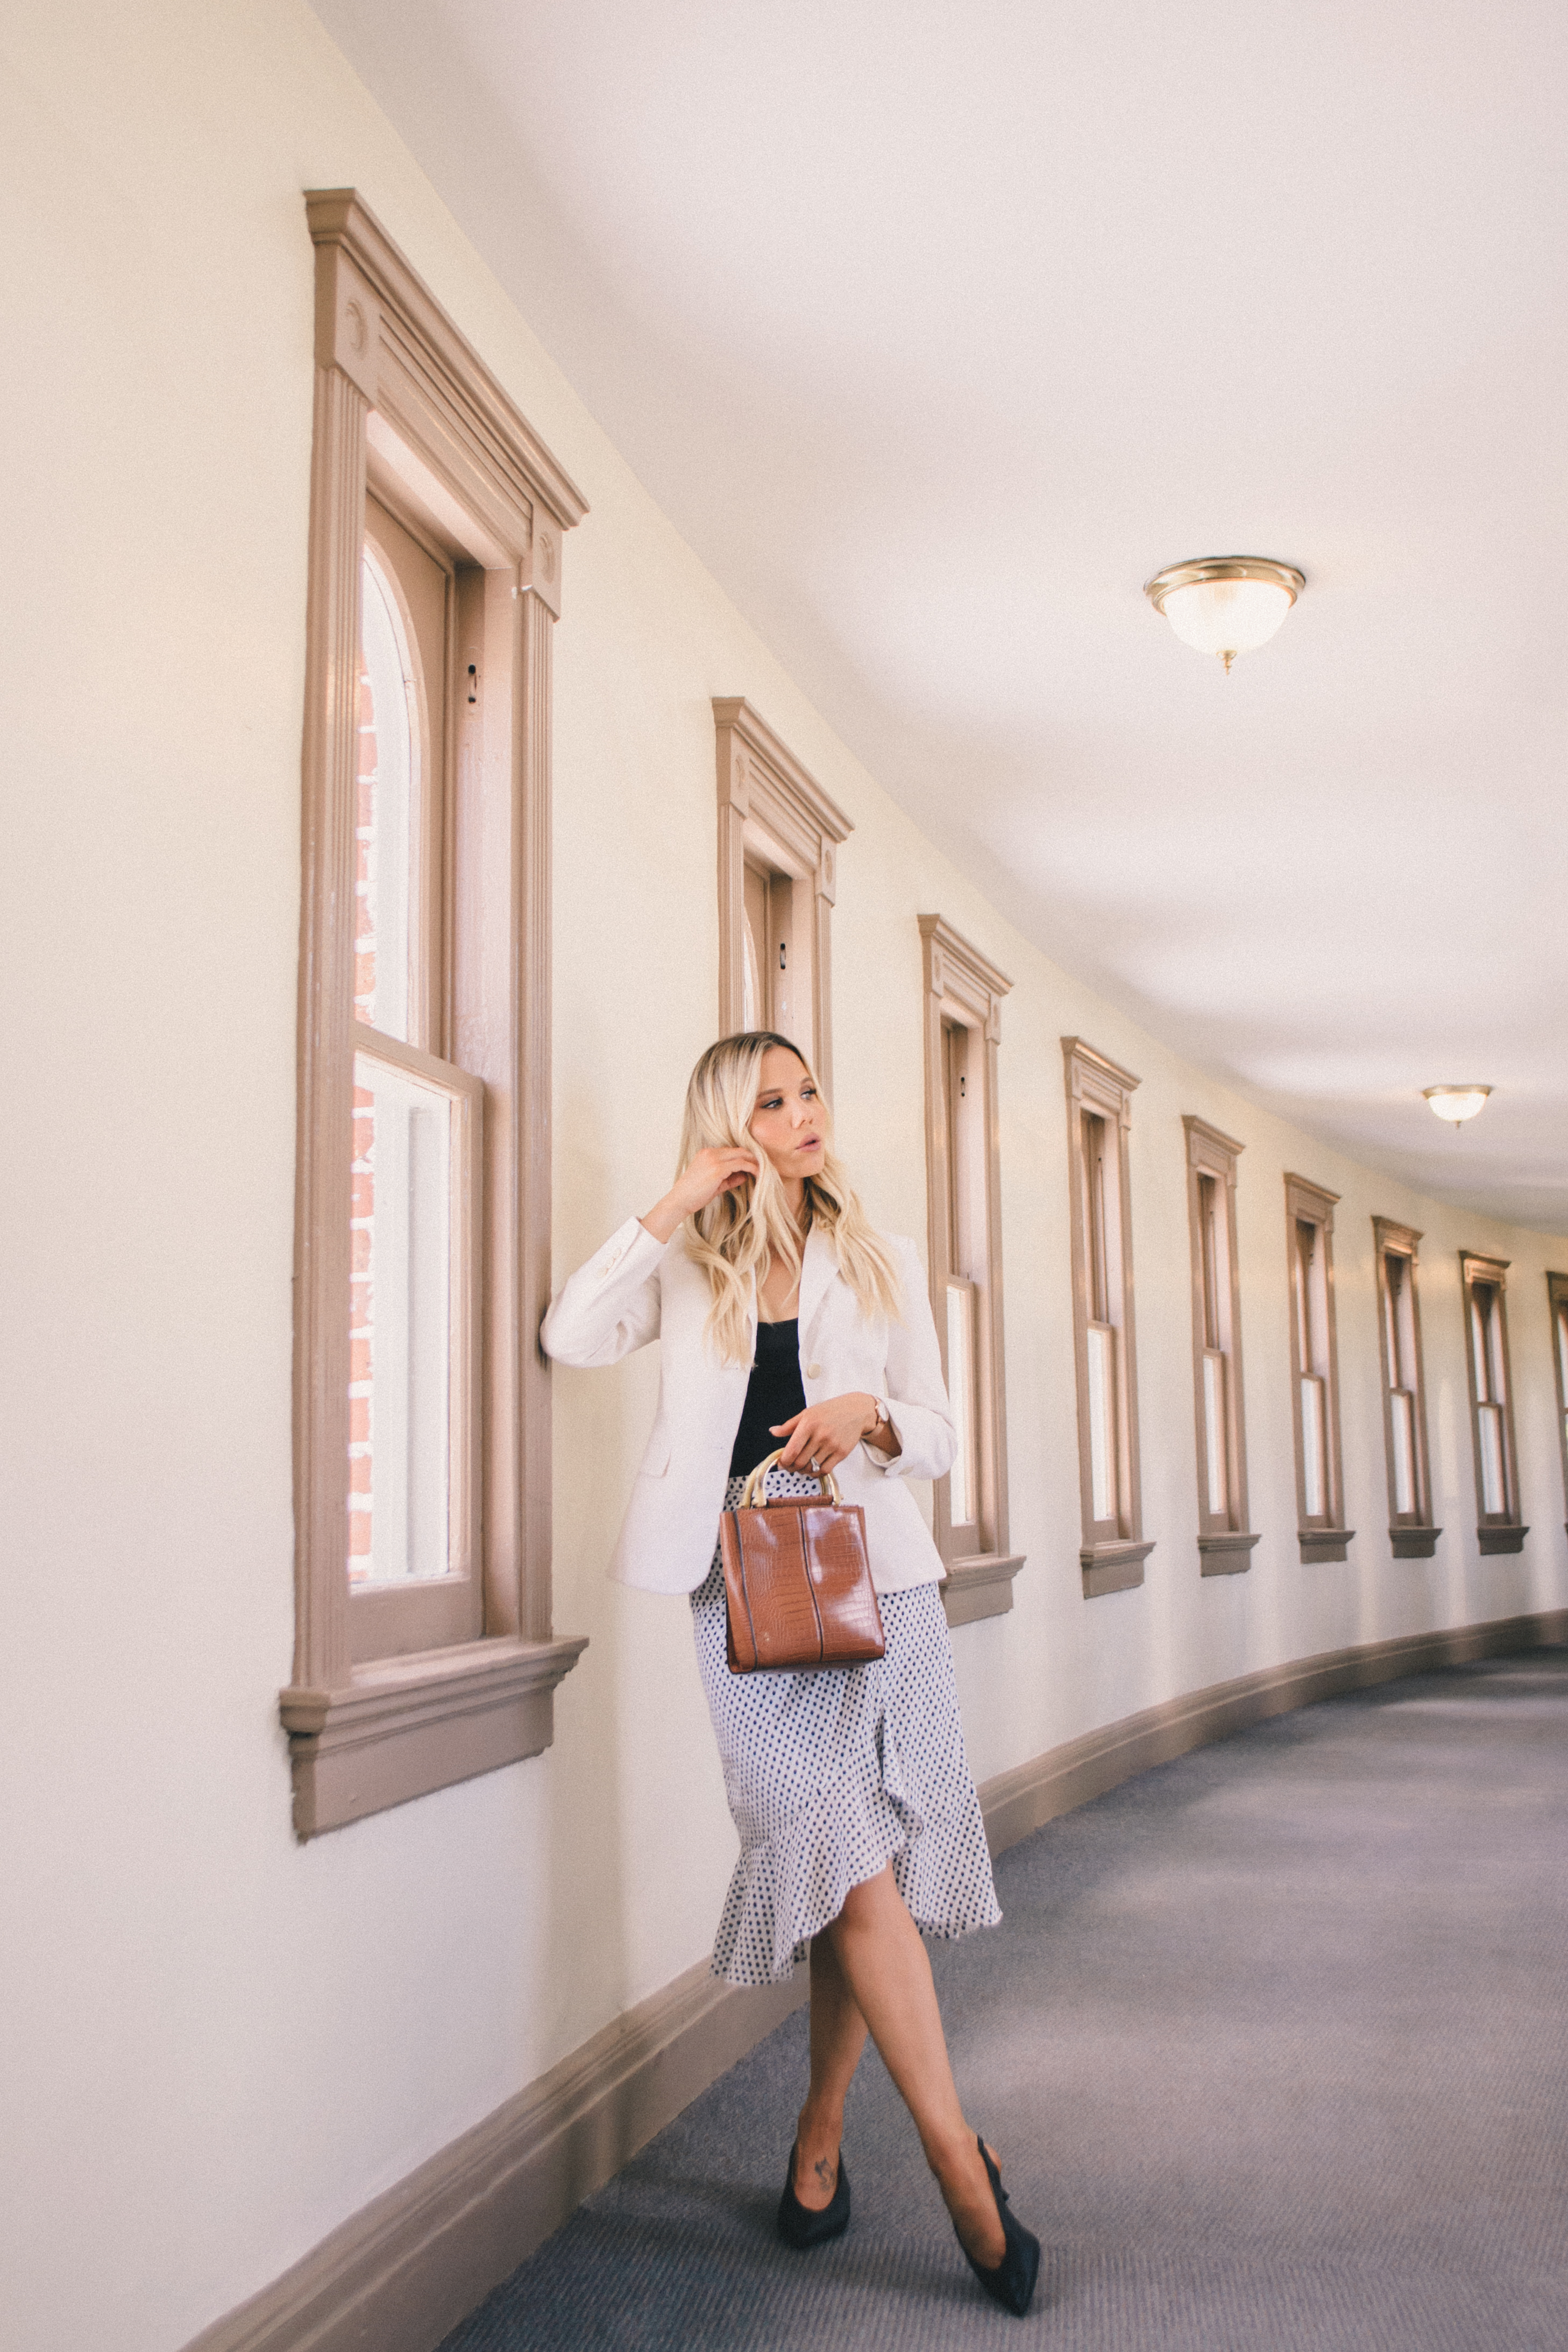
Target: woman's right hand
[(709, 1174)]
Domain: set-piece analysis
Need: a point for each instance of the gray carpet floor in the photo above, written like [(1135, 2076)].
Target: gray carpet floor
[(1273, 2044)]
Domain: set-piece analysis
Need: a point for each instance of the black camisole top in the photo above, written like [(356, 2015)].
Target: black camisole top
[(774, 1393)]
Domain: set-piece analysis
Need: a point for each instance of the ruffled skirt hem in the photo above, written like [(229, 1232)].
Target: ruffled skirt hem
[(754, 1919), (832, 1776)]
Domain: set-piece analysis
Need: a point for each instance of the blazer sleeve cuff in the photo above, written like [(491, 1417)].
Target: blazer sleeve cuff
[(895, 1465)]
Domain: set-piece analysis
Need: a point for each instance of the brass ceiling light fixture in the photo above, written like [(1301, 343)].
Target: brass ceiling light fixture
[(1457, 1103), (1224, 604)]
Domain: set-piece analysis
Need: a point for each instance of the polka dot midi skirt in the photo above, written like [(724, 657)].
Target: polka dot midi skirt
[(836, 1772)]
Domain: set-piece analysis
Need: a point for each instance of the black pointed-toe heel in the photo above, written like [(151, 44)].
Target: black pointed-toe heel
[(1011, 2282), (799, 2226)]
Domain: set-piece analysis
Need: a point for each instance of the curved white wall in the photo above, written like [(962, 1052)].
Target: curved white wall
[(221, 2043)]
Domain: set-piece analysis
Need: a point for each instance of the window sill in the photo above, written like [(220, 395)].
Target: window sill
[(1113, 1566), (405, 1727), (1226, 1553), (1414, 1543), (1495, 1539), (980, 1585), (1324, 1543)]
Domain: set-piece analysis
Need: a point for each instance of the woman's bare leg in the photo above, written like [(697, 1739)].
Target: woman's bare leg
[(888, 1977), (838, 2037)]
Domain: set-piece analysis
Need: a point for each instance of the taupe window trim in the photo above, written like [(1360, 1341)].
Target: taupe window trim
[(1224, 1544), (1099, 1101), (1314, 1371), (1411, 1533), (963, 997), (405, 407), (1557, 1300), (1484, 1288), (778, 827)]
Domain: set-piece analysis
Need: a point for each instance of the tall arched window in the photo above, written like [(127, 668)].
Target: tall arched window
[(424, 1647), (778, 838), (1411, 1532), (413, 1315), (1499, 1526), (963, 1008), (1099, 1120), (1322, 1534), (1224, 1541)]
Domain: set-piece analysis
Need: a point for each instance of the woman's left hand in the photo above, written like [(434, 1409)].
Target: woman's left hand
[(825, 1434)]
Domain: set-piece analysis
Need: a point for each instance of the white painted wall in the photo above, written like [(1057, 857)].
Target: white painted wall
[(218, 2043)]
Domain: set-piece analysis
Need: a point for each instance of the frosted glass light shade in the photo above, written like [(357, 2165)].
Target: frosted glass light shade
[(1457, 1103), (1226, 604), (1221, 616)]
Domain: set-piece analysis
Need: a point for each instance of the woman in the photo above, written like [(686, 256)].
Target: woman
[(787, 1325)]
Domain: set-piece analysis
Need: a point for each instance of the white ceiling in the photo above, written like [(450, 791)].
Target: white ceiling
[(938, 326)]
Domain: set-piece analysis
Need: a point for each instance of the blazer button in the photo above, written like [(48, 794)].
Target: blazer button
[(813, 1372)]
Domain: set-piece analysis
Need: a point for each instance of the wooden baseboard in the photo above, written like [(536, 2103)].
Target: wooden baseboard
[(399, 2275), (1019, 1801)]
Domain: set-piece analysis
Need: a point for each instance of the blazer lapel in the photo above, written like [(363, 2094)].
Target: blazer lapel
[(819, 1263)]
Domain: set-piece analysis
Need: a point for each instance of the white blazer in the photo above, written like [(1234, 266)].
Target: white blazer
[(636, 1290)]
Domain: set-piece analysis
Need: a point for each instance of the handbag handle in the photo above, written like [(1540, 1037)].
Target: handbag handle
[(753, 1495)]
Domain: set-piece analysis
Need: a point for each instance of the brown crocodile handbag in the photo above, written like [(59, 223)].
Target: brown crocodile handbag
[(796, 1580)]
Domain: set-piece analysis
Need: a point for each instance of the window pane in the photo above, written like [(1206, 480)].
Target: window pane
[(750, 979), (756, 994), (1096, 1210), (1208, 1239), (1313, 1462), (954, 1082), (783, 967), (1480, 1317), (1306, 1289), (1214, 1432), (401, 1353), (1403, 1422), (1102, 1420), (1494, 1494), (384, 815), (1393, 1297), (963, 1503)]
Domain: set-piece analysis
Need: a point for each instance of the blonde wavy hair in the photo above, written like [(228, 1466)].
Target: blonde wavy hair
[(737, 1235)]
